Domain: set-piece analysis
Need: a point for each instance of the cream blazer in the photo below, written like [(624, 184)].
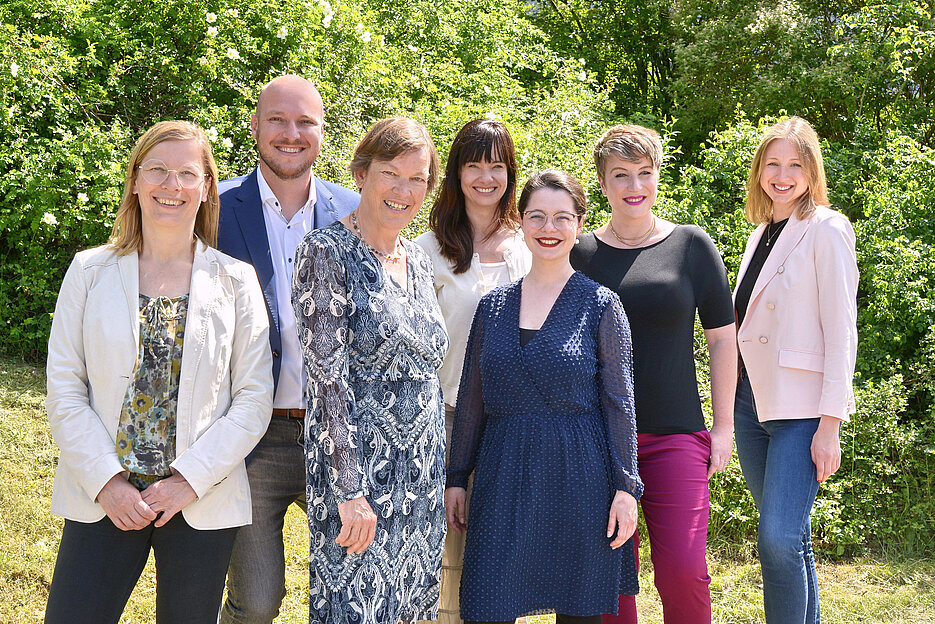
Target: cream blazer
[(798, 339), (225, 389)]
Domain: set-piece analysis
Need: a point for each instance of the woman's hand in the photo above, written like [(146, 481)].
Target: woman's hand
[(826, 447), (622, 518), (169, 496), (358, 525), (455, 508), (722, 445), (124, 506)]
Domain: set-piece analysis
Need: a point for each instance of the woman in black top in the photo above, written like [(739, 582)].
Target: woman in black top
[(663, 273)]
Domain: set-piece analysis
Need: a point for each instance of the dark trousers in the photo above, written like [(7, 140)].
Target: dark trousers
[(98, 565)]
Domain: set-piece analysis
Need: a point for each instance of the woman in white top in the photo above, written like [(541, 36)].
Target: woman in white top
[(475, 244)]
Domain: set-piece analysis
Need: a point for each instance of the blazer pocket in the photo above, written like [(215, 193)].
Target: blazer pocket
[(805, 360)]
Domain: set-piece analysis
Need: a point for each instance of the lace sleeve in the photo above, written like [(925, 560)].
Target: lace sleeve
[(615, 357), (470, 418), (321, 302)]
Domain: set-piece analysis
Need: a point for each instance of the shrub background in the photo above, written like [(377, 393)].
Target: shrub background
[(81, 79)]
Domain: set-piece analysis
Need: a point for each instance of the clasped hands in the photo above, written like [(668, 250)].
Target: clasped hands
[(621, 520), (131, 510)]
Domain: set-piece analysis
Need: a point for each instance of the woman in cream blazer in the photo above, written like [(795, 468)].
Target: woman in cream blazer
[(221, 405), (796, 312)]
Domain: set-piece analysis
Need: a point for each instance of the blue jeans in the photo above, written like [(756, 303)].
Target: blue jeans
[(776, 460), (98, 566), (256, 582)]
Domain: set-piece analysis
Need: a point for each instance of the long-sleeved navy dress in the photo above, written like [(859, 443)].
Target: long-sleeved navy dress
[(549, 431)]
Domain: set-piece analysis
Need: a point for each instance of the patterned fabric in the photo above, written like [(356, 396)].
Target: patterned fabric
[(375, 427), (549, 432), (146, 432)]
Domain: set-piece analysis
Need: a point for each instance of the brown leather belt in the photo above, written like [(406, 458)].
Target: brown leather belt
[(289, 413)]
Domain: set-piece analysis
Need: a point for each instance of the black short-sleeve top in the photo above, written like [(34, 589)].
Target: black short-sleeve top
[(661, 286)]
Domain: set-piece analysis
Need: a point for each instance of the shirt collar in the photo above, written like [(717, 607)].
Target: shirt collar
[(267, 197)]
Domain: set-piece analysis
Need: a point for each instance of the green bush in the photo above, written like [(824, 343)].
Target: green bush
[(82, 79)]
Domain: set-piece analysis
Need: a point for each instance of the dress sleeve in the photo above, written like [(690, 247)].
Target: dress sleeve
[(615, 376), (470, 417), (322, 305), (710, 283)]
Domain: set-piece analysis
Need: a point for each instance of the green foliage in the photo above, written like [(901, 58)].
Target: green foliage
[(80, 80)]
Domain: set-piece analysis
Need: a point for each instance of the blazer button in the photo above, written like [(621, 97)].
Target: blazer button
[(770, 306), (780, 269), (275, 352), (764, 339)]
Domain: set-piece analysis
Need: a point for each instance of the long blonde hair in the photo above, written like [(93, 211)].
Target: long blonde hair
[(127, 234), (759, 208)]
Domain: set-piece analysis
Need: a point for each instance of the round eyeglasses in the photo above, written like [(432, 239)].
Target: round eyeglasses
[(156, 172)]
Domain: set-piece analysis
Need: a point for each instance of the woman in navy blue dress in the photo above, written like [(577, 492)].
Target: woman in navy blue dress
[(546, 423)]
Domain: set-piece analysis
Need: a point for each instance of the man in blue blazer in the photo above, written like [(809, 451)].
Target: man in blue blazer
[(264, 216)]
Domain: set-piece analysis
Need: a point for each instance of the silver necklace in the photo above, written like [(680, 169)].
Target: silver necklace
[(771, 234), (395, 256)]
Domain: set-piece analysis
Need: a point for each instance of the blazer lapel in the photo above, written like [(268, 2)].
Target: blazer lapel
[(249, 212), (202, 297), (129, 266), (788, 239), (325, 211)]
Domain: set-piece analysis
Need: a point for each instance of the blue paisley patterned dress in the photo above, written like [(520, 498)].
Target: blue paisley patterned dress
[(375, 427)]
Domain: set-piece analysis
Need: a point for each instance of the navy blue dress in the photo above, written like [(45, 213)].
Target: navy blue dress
[(549, 432)]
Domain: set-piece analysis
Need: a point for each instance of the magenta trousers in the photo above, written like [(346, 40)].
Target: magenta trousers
[(674, 470)]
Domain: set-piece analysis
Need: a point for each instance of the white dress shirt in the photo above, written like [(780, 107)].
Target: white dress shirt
[(284, 237)]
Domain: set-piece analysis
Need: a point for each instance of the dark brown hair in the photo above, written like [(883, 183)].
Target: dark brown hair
[(479, 140), (560, 181)]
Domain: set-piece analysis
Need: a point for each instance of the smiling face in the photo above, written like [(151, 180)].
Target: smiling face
[(392, 191), (483, 183), (630, 187), (288, 127), (169, 205), (782, 177), (550, 224)]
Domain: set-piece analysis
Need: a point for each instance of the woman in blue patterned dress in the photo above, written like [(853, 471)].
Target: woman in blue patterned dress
[(373, 338), (545, 421)]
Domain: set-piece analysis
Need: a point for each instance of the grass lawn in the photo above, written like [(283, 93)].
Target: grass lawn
[(893, 589)]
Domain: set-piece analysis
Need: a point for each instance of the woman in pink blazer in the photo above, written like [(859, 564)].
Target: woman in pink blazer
[(796, 317)]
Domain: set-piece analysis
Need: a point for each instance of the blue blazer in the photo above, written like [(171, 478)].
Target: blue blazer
[(242, 234)]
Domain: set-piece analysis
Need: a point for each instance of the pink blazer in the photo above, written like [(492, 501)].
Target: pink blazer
[(798, 339)]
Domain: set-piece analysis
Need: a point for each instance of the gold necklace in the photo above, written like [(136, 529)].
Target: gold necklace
[(394, 256), (639, 239)]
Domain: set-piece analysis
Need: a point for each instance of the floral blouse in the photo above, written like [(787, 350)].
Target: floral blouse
[(146, 432)]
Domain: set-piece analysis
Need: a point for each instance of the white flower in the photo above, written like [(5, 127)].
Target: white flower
[(203, 60), (326, 20), (233, 54), (211, 17), (412, 48), (212, 133), (582, 76), (49, 219), (282, 32), (359, 27), (227, 143), (365, 37), (83, 198), (212, 31), (581, 60), (491, 115), (233, 12), (14, 69)]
